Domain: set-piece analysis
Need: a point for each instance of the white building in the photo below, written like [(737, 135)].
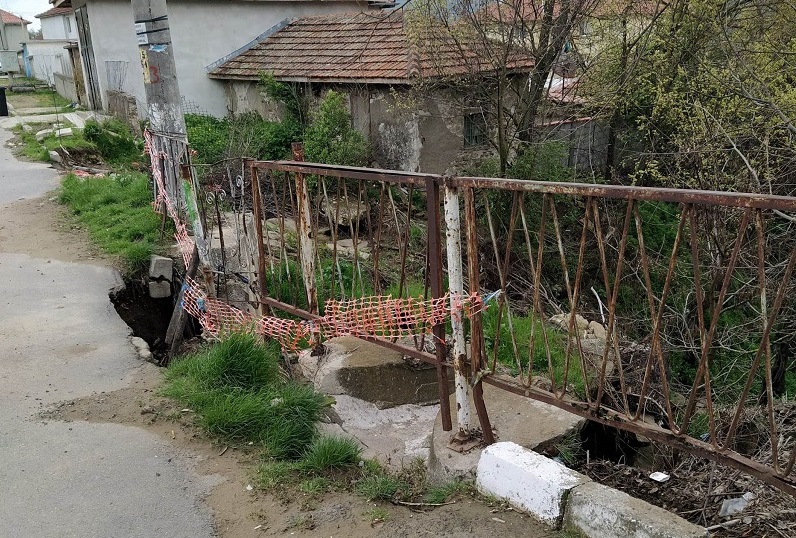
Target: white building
[(201, 32)]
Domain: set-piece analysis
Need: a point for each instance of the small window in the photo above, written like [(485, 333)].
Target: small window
[(474, 129)]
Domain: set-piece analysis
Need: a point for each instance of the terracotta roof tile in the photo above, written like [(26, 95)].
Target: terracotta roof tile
[(10, 18), (55, 12), (352, 47)]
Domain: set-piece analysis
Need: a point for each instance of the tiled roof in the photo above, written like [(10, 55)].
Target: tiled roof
[(10, 18), (54, 12), (369, 46)]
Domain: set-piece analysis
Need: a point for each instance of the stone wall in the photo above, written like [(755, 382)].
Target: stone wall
[(125, 108)]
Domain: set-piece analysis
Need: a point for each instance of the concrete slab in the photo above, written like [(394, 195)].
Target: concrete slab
[(528, 481), (531, 424), (394, 436), (369, 372), (602, 512)]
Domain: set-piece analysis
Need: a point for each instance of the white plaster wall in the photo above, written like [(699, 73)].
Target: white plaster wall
[(57, 27), (44, 58), (16, 34), (201, 31)]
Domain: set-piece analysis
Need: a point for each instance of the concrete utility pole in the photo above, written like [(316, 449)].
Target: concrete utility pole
[(167, 124), (164, 104)]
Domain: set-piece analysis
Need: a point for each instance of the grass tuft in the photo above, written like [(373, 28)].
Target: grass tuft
[(440, 494), (380, 487), (331, 453), (238, 393)]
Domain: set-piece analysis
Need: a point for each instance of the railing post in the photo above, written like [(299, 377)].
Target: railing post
[(456, 287), (257, 203), (435, 277), (306, 244), (476, 323)]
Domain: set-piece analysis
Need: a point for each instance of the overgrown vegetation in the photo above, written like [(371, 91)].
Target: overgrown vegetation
[(239, 394), (117, 212), (36, 150), (114, 141)]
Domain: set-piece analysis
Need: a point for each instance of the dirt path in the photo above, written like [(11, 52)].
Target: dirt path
[(38, 229)]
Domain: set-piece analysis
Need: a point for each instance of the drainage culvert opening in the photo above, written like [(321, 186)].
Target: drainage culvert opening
[(148, 318)]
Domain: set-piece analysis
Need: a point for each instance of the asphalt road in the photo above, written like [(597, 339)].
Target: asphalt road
[(61, 339)]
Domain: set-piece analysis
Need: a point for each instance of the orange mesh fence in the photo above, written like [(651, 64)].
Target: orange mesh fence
[(380, 316)]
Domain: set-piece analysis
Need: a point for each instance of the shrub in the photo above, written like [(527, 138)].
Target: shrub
[(113, 140), (207, 136), (331, 138)]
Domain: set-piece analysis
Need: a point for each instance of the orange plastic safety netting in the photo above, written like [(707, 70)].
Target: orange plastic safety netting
[(379, 316)]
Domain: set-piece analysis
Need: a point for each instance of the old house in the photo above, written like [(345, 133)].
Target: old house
[(373, 60), (53, 58), (201, 31), (13, 32)]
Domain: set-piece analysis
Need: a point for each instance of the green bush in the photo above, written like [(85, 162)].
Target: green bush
[(114, 141), (207, 136), (331, 137), (247, 135)]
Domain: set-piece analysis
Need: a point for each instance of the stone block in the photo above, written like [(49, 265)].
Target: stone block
[(56, 157), (528, 481), (160, 267), (66, 131), (160, 290), (41, 135), (602, 512)]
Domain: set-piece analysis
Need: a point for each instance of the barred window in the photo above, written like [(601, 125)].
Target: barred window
[(474, 129)]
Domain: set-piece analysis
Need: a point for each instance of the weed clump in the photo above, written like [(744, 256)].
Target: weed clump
[(114, 141), (239, 394)]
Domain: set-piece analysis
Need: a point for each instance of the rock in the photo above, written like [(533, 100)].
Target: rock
[(147, 410), (345, 247), (160, 290), (562, 321), (41, 135), (598, 330), (27, 128), (345, 212), (276, 224), (56, 157), (67, 131)]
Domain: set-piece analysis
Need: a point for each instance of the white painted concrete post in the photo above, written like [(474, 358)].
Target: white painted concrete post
[(456, 287)]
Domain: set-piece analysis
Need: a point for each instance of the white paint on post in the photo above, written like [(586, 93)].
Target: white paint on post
[(456, 287)]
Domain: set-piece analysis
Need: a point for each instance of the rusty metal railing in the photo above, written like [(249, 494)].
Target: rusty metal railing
[(664, 312)]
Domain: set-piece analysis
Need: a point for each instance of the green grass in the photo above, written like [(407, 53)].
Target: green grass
[(379, 487), (523, 327), (440, 494), (117, 213), (331, 453), (377, 515), (239, 395)]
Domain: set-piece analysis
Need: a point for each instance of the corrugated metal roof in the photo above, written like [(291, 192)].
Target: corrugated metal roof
[(365, 46)]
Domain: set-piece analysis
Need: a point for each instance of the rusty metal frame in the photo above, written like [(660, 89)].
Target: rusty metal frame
[(751, 207)]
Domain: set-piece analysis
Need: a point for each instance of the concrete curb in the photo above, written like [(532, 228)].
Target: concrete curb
[(556, 494)]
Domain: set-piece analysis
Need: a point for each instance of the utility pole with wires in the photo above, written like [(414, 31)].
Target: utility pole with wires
[(169, 146)]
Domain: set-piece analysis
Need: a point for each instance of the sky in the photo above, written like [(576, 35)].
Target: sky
[(27, 9)]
